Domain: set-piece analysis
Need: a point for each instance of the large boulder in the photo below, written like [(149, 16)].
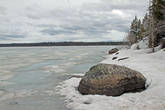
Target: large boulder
[(114, 50), (111, 80)]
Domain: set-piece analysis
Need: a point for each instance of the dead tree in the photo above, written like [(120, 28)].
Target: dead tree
[(151, 27)]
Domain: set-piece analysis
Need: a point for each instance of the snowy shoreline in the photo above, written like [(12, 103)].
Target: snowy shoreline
[(151, 65)]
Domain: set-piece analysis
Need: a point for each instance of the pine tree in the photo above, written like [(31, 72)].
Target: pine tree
[(157, 6), (135, 31), (151, 26), (142, 32)]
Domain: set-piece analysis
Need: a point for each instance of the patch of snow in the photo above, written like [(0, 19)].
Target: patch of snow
[(151, 65), (134, 46), (143, 44)]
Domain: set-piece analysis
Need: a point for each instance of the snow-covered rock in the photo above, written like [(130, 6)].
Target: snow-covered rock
[(143, 44)]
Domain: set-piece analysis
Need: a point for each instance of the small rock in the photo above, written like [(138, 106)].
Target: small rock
[(114, 50), (86, 102), (138, 48)]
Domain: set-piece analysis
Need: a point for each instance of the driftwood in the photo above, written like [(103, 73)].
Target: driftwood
[(114, 58), (123, 58)]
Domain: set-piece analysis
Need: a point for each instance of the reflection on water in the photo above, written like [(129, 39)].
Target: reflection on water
[(28, 76)]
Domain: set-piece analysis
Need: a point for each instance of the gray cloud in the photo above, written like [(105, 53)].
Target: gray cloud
[(2, 10), (8, 36), (96, 21)]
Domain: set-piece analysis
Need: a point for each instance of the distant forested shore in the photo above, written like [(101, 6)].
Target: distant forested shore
[(62, 44)]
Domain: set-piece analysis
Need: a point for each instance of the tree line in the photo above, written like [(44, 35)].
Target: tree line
[(151, 27), (62, 44)]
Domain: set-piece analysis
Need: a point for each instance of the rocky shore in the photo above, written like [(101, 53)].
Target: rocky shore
[(150, 65)]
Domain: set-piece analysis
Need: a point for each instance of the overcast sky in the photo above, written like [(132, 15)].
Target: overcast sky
[(67, 20)]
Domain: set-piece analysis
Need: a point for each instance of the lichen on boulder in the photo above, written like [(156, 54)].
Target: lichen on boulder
[(111, 80)]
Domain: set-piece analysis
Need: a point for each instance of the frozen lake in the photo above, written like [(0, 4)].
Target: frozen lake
[(29, 76)]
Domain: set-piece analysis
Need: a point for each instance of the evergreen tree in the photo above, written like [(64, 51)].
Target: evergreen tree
[(147, 27), (158, 6)]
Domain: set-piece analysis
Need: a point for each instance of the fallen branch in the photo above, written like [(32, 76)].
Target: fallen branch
[(123, 58)]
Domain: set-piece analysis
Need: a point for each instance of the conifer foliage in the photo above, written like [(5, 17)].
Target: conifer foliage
[(149, 25), (158, 9), (137, 30)]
